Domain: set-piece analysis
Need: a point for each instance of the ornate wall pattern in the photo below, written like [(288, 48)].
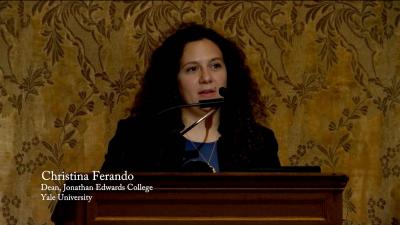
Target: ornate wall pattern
[(328, 71)]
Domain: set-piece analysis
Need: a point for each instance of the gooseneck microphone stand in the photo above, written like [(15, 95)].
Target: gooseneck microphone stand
[(202, 104), (184, 131)]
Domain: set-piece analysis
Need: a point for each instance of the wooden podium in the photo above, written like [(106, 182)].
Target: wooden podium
[(223, 198)]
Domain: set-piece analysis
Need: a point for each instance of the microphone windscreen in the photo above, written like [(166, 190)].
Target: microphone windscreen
[(223, 91)]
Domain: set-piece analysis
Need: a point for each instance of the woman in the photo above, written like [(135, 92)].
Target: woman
[(192, 65)]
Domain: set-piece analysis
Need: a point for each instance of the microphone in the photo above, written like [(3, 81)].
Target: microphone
[(215, 102), (223, 91), (211, 102), (202, 103)]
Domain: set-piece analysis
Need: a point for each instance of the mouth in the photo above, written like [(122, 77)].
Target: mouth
[(207, 93)]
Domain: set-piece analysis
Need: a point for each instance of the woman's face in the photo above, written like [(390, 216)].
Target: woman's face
[(202, 71)]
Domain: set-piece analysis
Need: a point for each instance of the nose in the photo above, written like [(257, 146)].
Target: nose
[(205, 76)]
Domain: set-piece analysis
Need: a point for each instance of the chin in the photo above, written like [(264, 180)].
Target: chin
[(206, 109)]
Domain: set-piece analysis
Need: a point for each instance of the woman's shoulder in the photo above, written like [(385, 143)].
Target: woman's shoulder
[(264, 136), (262, 130), (129, 121), (266, 146), (131, 126), (142, 125), (133, 122)]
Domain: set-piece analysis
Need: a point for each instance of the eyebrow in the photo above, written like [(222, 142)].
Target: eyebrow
[(195, 62)]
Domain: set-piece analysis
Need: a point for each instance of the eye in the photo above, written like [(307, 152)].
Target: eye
[(216, 65), (191, 69)]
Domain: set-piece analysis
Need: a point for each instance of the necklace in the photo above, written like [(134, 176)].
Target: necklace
[(198, 148)]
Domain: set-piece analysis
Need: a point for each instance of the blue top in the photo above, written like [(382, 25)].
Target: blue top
[(199, 151)]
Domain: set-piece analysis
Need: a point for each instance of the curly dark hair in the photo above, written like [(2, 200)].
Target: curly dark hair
[(160, 86)]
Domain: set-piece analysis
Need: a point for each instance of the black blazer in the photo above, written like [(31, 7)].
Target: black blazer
[(150, 146)]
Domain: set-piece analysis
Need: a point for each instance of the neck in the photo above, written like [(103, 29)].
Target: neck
[(206, 131)]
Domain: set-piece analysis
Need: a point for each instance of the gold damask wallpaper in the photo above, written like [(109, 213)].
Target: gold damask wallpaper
[(329, 73)]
